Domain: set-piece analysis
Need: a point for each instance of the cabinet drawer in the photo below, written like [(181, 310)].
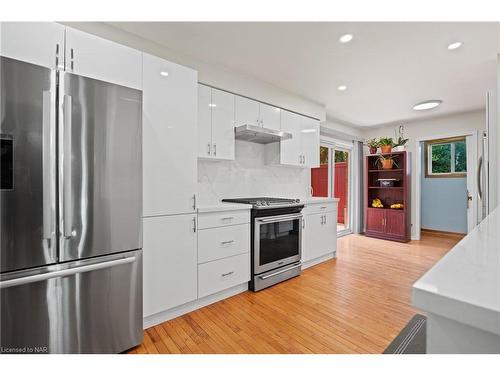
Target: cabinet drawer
[(220, 219), (223, 242), (317, 208), (222, 274)]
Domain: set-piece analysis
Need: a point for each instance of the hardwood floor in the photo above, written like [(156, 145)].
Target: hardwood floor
[(355, 304)]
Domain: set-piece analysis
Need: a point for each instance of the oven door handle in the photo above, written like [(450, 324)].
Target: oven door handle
[(280, 271), (274, 219)]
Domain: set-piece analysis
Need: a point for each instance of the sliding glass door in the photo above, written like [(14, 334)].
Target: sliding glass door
[(333, 179)]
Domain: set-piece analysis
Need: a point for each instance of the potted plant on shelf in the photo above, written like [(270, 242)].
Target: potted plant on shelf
[(401, 141), (372, 145), (385, 144), (386, 162)]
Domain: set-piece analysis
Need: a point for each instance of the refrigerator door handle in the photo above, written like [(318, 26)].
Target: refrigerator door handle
[(48, 165), (67, 200), (66, 272), (478, 175)]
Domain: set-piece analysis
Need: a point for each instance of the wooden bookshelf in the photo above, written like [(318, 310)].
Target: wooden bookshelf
[(388, 223)]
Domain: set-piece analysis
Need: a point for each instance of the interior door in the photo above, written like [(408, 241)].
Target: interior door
[(222, 124), (28, 154), (100, 146)]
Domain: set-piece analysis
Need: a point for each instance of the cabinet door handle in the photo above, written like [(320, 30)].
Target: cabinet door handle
[(72, 57), (227, 274), (303, 223), (194, 201), (208, 149), (227, 218), (57, 55), (215, 149), (194, 224), (325, 219), (227, 242)]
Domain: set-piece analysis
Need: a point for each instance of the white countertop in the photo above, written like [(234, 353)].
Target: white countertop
[(309, 200), (465, 284), (222, 206)]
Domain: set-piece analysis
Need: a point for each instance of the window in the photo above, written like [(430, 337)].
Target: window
[(446, 158)]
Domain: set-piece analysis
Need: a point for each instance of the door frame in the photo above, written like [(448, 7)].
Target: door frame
[(472, 158), (337, 144)]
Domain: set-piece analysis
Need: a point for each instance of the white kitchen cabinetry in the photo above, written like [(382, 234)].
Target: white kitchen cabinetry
[(252, 112), (247, 111), (40, 43), (215, 123), (169, 137), (94, 57), (319, 231), (270, 117), (302, 150), (223, 250), (170, 265)]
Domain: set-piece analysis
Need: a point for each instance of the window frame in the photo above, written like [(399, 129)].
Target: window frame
[(428, 160)]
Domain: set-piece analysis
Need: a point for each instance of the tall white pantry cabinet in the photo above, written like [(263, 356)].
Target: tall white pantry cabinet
[(169, 182)]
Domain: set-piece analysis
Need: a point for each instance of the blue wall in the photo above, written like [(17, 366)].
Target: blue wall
[(444, 206)]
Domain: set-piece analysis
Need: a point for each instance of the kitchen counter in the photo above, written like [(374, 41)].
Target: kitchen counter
[(309, 200), (461, 294), (222, 206)]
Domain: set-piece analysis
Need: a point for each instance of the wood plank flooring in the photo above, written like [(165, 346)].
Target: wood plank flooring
[(355, 304)]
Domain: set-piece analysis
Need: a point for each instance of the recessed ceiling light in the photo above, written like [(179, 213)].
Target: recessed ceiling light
[(342, 88), (346, 38), (428, 104), (454, 45), (164, 74)]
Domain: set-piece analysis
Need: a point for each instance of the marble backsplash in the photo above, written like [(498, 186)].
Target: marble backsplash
[(249, 176)]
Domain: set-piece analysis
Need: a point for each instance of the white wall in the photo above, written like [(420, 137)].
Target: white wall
[(214, 75), (335, 129), (433, 127), (249, 176)]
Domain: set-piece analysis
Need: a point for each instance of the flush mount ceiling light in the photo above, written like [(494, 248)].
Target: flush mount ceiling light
[(454, 45), (212, 105), (342, 88), (428, 104), (346, 38), (164, 74)]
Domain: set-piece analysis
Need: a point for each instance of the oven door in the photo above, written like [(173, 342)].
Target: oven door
[(277, 241)]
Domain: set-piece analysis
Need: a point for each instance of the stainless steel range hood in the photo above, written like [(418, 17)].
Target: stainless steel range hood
[(252, 133)]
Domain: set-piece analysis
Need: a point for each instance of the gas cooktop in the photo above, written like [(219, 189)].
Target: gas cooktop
[(266, 202)]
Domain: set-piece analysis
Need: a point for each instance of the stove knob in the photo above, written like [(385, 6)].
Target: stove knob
[(258, 203), (297, 200)]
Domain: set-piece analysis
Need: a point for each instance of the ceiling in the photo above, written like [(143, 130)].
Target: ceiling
[(387, 67)]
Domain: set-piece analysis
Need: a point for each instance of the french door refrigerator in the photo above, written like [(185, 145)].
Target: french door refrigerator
[(71, 203)]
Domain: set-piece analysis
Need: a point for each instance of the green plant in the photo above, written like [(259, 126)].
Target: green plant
[(381, 159), (383, 141), (372, 143), (400, 139)]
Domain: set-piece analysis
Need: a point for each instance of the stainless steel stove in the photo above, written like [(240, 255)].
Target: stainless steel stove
[(276, 239)]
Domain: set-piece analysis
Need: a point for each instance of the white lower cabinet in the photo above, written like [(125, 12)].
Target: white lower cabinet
[(319, 234), (224, 273), (170, 262)]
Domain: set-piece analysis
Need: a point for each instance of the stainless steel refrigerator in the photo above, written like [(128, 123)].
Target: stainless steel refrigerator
[(71, 204)]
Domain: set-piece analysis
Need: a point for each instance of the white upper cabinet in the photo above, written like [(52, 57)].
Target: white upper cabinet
[(94, 57), (310, 139), (222, 124), (302, 150), (215, 123), (40, 43), (270, 117), (170, 141), (290, 152), (247, 111), (204, 121)]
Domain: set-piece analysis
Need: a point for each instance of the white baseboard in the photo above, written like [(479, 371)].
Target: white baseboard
[(163, 316), (319, 260)]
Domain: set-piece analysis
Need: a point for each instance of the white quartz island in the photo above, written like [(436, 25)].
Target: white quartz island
[(461, 294)]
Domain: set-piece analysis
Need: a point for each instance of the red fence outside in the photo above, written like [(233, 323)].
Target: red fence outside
[(319, 183)]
